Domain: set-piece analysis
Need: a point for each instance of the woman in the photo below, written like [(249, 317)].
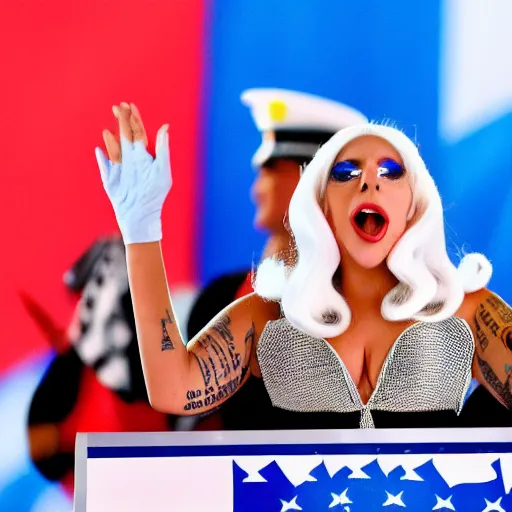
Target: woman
[(371, 325)]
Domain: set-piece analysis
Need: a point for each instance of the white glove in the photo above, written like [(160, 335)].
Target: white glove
[(135, 182)]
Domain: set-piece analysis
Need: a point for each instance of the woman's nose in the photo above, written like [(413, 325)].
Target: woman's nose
[(369, 180), (365, 186)]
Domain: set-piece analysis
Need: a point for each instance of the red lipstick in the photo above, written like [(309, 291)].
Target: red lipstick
[(370, 222)]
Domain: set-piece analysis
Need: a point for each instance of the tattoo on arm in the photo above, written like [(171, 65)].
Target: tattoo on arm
[(502, 389), (502, 324), (222, 362), (480, 334), (250, 337), (487, 325), (166, 339), (212, 365), (223, 329), (493, 323), (205, 371)]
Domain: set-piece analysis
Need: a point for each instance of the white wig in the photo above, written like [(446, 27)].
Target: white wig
[(430, 287)]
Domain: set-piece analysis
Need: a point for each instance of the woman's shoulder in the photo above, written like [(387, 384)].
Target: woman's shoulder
[(212, 299), (261, 310)]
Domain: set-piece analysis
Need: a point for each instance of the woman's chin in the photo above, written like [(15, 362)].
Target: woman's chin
[(370, 264), (369, 257)]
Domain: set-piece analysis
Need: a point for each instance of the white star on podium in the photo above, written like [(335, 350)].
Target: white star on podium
[(394, 500), (444, 503), (342, 499), (494, 507), (290, 505)]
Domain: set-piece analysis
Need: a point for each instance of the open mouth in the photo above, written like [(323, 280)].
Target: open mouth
[(370, 222)]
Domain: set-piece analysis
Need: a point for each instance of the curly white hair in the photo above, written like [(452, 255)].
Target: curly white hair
[(430, 287)]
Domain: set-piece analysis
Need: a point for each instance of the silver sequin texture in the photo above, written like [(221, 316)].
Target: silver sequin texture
[(427, 369)]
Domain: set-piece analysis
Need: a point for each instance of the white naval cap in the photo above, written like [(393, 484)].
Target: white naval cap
[(295, 124)]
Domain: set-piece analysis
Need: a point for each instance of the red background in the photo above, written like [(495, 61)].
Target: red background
[(63, 65)]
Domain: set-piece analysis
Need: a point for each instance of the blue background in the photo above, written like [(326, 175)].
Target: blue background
[(383, 58)]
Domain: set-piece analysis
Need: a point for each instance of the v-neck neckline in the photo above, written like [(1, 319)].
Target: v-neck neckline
[(354, 391)]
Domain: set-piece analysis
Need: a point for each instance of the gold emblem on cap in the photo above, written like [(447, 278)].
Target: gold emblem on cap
[(277, 110)]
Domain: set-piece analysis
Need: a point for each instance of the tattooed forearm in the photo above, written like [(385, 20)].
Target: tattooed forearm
[(502, 389), (166, 339)]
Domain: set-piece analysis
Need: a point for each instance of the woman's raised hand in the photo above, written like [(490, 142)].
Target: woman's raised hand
[(135, 182)]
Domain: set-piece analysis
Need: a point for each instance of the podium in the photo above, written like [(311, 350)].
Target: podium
[(463, 470)]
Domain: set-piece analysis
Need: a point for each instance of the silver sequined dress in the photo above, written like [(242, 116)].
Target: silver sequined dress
[(427, 369)]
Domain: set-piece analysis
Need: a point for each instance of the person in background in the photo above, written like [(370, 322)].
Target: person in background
[(293, 125), (94, 383)]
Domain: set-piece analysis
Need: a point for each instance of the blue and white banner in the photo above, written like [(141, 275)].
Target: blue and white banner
[(467, 483), (345, 471)]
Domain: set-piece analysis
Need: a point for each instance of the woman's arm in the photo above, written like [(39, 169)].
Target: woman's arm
[(179, 379), (491, 322), (199, 377)]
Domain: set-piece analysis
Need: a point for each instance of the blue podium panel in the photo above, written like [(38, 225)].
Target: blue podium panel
[(467, 470)]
